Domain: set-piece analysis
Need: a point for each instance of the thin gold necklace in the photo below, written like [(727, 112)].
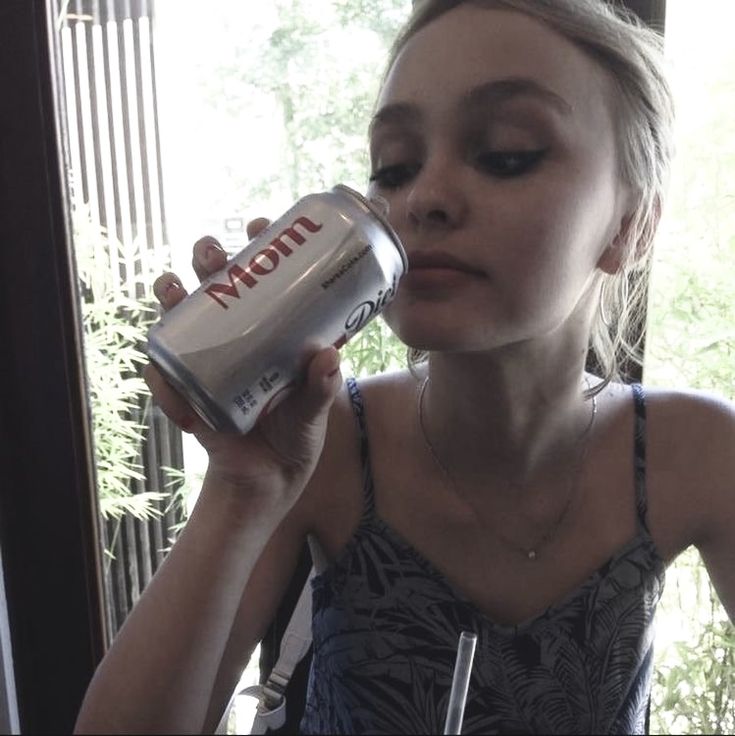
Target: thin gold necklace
[(530, 553)]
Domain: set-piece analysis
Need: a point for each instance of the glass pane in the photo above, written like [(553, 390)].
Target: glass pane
[(184, 119), (272, 104), (112, 159), (691, 343)]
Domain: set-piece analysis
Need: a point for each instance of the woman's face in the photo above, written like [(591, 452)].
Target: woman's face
[(494, 145)]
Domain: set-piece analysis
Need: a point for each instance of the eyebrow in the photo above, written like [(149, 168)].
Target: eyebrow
[(490, 93), (503, 90), (397, 113)]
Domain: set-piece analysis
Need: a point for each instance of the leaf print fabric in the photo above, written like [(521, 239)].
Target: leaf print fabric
[(386, 625)]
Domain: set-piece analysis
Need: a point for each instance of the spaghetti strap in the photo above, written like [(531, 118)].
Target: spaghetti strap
[(639, 455), (367, 473)]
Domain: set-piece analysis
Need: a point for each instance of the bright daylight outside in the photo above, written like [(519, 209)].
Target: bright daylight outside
[(188, 118)]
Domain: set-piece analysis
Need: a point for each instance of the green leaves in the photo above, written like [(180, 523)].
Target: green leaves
[(315, 67), (691, 343), (115, 327), (694, 690), (374, 350)]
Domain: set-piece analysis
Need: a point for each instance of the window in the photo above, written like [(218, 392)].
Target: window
[(691, 343), (185, 118)]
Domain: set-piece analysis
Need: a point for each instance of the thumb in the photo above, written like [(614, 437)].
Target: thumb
[(323, 381)]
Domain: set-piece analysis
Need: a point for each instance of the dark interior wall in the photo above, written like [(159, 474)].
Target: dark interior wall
[(651, 11), (46, 479)]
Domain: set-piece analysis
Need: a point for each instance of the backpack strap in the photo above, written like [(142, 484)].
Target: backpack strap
[(271, 695)]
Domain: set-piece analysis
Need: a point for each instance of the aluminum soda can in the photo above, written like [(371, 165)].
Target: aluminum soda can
[(316, 276)]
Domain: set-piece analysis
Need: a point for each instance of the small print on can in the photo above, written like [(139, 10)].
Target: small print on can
[(315, 277)]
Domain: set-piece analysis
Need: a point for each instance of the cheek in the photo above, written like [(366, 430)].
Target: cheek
[(548, 246), (563, 219)]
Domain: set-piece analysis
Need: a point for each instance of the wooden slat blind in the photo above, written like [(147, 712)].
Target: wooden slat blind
[(115, 168)]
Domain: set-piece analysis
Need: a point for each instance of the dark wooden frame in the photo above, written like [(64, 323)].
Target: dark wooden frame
[(47, 491), (652, 12)]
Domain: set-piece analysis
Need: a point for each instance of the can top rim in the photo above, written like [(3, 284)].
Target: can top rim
[(365, 202)]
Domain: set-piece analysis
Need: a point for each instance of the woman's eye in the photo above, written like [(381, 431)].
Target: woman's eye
[(394, 176), (509, 163)]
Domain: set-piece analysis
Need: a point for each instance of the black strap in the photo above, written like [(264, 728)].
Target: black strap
[(639, 455), (358, 408), (271, 644)]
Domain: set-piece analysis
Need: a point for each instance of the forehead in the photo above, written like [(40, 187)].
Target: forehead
[(470, 46)]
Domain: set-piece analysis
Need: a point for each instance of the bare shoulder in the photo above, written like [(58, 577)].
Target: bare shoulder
[(694, 421), (333, 501), (379, 399), (690, 438)]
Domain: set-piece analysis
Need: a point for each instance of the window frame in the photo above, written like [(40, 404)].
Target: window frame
[(48, 512)]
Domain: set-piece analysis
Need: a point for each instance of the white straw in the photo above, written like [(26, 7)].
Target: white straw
[(460, 682)]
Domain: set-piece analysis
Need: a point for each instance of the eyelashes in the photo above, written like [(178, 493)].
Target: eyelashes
[(505, 164), (395, 175), (497, 164)]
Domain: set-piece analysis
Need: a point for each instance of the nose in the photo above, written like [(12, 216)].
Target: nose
[(435, 199)]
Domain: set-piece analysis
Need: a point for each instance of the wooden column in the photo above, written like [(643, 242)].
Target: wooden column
[(47, 499)]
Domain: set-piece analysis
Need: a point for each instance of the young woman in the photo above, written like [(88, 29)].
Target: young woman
[(496, 486)]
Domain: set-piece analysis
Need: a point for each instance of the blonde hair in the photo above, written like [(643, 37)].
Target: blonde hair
[(632, 54)]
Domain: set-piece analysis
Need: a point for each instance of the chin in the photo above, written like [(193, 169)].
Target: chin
[(450, 336), (429, 336), (427, 326)]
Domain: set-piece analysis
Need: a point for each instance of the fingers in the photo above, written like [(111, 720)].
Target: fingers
[(323, 381), (168, 290), (208, 256), (256, 226)]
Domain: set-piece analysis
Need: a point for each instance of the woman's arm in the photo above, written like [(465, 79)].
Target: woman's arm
[(175, 661), (159, 674), (164, 672)]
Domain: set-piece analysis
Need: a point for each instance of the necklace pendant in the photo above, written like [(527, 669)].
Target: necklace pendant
[(531, 554)]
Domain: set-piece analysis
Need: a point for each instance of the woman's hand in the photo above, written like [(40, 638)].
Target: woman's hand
[(276, 458), (169, 668)]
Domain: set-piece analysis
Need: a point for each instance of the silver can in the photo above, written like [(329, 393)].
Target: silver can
[(315, 277)]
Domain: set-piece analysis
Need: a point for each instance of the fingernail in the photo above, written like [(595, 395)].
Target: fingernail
[(333, 373), (171, 286), (213, 249)]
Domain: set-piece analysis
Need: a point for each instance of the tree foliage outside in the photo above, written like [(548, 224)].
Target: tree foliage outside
[(691, 343), (114, 327), (281, 111), (314, 74)]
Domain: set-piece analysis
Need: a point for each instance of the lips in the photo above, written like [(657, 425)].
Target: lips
[(438, 260), (437, 274)]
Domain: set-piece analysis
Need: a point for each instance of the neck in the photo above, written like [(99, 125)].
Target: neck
[(513, 417)]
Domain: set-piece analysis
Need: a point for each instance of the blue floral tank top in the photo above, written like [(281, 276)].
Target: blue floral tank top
[(386, 625)]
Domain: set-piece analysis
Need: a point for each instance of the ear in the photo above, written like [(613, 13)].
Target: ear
[(649, 229), (615, 254), (638, 238)]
